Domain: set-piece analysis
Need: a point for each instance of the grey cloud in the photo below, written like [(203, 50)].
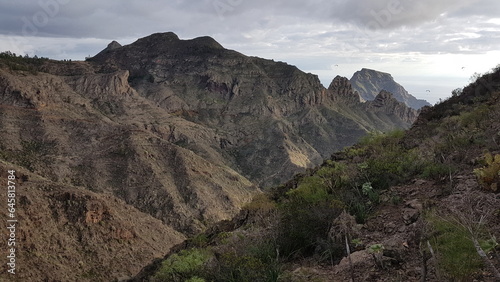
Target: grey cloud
[(121, 18), (72, 18), (389, 14), (486, 8), (293, 26)]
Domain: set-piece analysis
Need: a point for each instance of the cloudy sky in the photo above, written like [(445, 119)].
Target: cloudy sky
[(432, 45)]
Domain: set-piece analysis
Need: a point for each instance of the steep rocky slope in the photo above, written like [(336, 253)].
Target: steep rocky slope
[(368, 83), (92, 137), (176, 134), (68, 233), (415, 205), (265, 112)]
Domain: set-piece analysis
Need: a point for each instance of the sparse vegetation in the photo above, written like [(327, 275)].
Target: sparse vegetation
[(33, 152), (377, 251)]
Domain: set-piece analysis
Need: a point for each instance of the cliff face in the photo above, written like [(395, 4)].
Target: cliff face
[(343, 90), (369, 83), (180, 132)]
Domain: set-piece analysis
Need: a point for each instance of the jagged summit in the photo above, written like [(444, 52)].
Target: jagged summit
[(343, 90), (369, 83), (339, 81), (386, 102), (113, 45), (383, 97)]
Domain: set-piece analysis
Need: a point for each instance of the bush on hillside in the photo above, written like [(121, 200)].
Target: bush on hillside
[(489, 175), (187, 264), (306, 217)]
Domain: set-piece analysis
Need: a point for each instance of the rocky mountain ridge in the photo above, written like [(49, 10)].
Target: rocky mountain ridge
[(200, 80), (182, 133)]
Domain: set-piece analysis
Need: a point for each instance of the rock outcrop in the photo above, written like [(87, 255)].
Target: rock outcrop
[(342, 88), (111, 46), (386, 103)]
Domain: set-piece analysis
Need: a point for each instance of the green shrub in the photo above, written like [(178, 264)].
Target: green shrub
[(436, 170), (360, 211), (392, 166), (374, 139), (306, 215), (388, 162), (260, 202), (187, 264), (489, 175), (200, 240), (476, 117), (312, 189), (33, 152), (355, 151)]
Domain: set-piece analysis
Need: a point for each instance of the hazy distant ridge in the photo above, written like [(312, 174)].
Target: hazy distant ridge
[(369, 83)]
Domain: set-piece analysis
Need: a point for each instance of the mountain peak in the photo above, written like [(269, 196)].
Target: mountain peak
[(386, 102), (113, 45), (160, 44), (207, 41), (159, 37), (342, 89), (370, 82), (385, 96), (171, 39), (367, 70)]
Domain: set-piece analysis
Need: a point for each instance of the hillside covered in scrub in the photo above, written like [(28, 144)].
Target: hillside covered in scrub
[(415, 205)]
